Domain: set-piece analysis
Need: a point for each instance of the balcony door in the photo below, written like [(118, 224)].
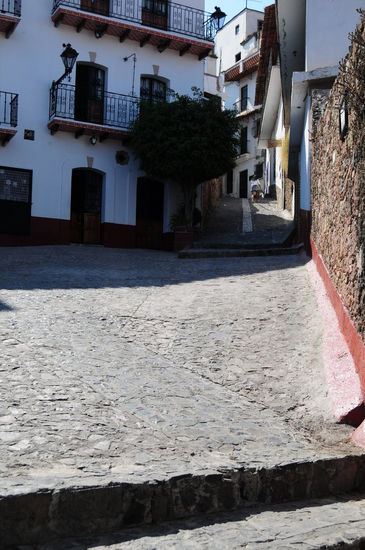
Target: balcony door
[(86, 196), (154, 13), (96, 6), (89, 96)]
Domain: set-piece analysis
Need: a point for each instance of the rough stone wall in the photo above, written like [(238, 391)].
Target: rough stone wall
[(338, 181), (211, 192), (288, 194)]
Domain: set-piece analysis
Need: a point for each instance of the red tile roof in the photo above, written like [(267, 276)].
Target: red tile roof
[(268, 52), (249, 113), (242, 69)]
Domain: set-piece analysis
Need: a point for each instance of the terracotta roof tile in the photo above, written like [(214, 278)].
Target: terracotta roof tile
[(244, 68), (268, 50)]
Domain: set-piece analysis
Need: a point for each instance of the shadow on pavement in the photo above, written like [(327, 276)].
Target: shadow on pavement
[(5, 307), (247, 525), (66, 267)]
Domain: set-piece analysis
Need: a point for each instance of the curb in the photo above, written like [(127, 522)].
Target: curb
[(193, 253), (48, 515)]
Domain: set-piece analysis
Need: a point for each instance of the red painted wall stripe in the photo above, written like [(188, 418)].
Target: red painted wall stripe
[(352, 337)]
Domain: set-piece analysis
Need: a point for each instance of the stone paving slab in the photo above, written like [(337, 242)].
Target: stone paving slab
[(129, 366), (246, 216), (326, 523), (238, 222)]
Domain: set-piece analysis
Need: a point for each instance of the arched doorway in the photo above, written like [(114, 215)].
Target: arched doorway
[(149, 213), (86, 197)]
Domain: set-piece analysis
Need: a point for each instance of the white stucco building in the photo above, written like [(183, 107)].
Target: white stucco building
[(237, 49), (66, 171), (313, 38)]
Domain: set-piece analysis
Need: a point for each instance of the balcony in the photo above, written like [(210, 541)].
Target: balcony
[(162, 24), (103, 117), (10, 11), (242, 69), (8, 116), (244, 108)]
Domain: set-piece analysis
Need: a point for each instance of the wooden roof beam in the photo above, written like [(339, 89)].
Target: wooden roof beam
[(184, 50), (124, 35), (81, 25), (145, 40)]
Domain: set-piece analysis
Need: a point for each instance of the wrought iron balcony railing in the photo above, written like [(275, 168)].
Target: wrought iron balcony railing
[(11, 7), (111, 109), (242, 105), (8, 109), (160, 14)]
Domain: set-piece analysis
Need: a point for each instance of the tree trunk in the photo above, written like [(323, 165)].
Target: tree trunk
[(189, 194)]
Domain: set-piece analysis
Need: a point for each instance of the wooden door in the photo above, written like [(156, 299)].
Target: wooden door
[(95, 6), (89, 95), (243, 184), (149, 213), (86, 206), (230, 182)]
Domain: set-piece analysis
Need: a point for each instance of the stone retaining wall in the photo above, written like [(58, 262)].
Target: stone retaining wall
[(46, 515), (338, 182)]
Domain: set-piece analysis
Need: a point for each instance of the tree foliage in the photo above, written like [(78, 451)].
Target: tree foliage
[(188, 140)]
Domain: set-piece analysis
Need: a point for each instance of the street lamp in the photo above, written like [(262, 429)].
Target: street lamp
[(218, 18), (68, 57)]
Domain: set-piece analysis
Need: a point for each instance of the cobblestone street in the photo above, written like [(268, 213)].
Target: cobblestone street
[(129, 366)]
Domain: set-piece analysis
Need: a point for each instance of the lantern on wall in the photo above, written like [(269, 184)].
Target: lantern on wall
[(343, 116), (68, 56)]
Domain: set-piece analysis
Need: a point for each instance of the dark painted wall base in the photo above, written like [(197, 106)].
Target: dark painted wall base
[(43, 231), (304, 230), (49, 231), (118, 236)]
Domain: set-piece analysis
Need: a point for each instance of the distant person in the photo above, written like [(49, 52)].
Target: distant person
[(255, 188)]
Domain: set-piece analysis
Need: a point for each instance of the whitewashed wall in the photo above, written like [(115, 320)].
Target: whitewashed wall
[(328, 23), (29, 61), (228, 43)]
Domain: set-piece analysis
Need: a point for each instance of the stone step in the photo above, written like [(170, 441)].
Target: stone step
[(236, 246), (272, 250), (325, 523), (42, 516)]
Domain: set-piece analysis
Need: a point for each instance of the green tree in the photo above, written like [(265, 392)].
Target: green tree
[(188, 140)]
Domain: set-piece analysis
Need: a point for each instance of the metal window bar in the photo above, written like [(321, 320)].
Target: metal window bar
[(119, 110), (241, 106), (12, 7), (179, 18), (9, 109)]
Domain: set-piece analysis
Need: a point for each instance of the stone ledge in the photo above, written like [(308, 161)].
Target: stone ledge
[(45, 515)]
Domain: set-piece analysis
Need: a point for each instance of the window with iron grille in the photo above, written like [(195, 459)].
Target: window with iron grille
[(259, 170), (15, 200), (244, 98), (153, 90)]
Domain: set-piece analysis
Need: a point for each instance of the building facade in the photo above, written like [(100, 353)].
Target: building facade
[(237, 50), (67, 173)]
